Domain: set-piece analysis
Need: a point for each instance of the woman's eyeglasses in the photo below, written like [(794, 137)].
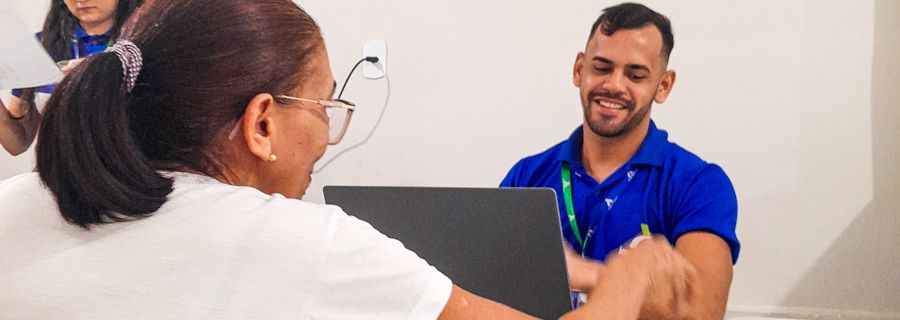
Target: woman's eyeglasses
[(339, 112)]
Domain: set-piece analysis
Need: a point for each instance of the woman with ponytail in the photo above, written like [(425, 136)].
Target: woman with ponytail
[(73, 30), (169, 176)]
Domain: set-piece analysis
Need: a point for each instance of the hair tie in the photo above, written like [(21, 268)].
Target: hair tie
[(132, 61)]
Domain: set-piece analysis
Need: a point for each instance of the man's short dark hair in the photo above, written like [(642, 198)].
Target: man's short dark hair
[(633, 16)]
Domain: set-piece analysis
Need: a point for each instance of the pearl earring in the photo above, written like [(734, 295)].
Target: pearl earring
[(272, 158)]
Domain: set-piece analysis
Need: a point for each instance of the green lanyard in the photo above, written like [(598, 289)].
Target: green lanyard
[(570, 208)]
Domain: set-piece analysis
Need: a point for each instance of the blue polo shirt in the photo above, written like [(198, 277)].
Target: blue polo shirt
[(663, 185), (86, 45)]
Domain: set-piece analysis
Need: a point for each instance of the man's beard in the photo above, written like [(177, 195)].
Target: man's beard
[(610, 131)]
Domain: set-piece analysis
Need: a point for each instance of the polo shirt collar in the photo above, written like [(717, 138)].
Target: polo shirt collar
[(83, 37), (571, 148), (650, 152)]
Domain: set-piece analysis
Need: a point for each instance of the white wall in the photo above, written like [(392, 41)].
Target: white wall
[(782, 94), (859, 268)]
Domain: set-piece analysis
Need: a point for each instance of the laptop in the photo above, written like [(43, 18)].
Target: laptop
[(502, 244)]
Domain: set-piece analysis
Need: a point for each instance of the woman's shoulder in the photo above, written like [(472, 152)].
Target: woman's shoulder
[(205, 198), (25, 196), (29, 182)]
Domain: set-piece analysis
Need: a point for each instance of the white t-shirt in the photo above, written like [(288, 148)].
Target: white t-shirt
[(213, 251)]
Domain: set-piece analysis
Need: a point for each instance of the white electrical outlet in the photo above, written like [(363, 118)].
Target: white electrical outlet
[(377, 70)]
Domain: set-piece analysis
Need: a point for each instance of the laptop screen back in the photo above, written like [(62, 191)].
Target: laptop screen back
[(502, 244)]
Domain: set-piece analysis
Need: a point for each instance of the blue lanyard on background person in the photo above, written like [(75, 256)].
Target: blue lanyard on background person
[(566, 173), (76, 45), (76, 50)]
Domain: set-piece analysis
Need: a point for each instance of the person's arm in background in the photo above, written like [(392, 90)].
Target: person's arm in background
[(653, 267), (20, 120), (18, 124)]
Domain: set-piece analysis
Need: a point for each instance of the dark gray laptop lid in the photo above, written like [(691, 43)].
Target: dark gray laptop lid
[(502, 244)]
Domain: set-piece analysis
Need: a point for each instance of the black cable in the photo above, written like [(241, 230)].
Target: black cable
[(387, 99), (369, 59)]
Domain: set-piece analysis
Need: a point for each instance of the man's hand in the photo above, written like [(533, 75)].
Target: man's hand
[(650, 267), (660, 303), (584, 273)]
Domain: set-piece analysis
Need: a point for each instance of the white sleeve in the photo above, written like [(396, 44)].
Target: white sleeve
[(367, 275)]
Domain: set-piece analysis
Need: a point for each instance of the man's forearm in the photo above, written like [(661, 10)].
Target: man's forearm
[(711, 257)]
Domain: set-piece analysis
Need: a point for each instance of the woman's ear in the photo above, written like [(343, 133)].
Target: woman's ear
[(258, 126)]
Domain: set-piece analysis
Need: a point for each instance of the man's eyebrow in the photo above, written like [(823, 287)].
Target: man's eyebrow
[(602, 59), (632, 66), (637, 67)]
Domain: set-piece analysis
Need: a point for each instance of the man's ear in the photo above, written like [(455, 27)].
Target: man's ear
[(576, 70), (258, 125), (665, 87)]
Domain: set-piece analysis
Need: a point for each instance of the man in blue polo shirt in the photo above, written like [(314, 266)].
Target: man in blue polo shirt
[(618, 174)]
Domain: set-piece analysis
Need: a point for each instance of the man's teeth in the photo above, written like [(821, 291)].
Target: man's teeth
[(611, 105)]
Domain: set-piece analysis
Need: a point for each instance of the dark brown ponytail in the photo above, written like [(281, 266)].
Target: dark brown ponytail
[(203, 60)]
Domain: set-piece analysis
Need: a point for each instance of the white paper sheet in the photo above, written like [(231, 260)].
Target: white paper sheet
[(23, 61)]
